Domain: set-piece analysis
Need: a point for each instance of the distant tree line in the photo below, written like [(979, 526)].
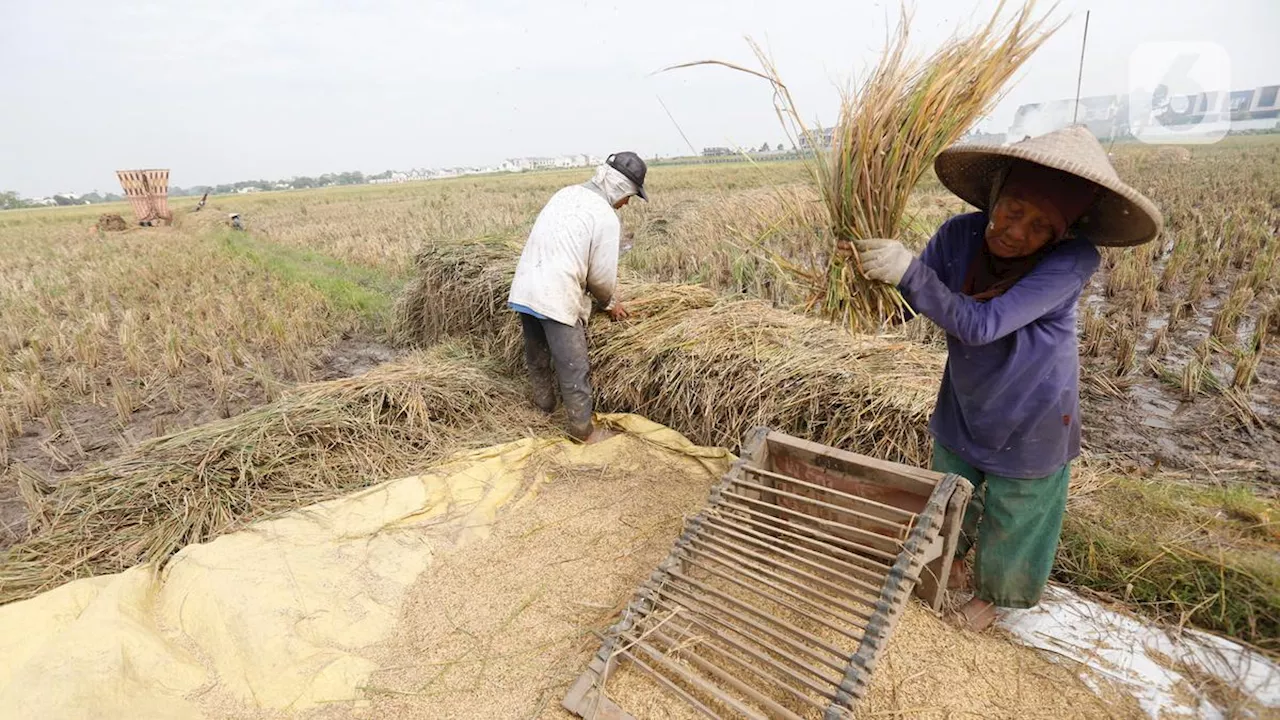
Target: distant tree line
[(354, 177), (10, 200)]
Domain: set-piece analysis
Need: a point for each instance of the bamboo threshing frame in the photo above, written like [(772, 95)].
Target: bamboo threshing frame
[(778, 598), (148, 193)]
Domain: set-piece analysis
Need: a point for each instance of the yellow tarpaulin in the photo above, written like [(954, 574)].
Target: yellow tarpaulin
[(276, 616)]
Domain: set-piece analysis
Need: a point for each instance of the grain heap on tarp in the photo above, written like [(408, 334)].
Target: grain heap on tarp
[(714, 368), (316, 442), (284, 618), (503, 627), (891, 127)]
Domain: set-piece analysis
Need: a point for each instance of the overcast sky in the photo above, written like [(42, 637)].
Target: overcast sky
[(247, 89)]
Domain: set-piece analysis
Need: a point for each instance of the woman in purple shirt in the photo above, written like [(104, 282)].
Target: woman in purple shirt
[(1004, 283)]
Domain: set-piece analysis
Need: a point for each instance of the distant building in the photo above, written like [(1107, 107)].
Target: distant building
[(716, 151), (526, 164), (823, 136), (979, 138), (1112, 116)]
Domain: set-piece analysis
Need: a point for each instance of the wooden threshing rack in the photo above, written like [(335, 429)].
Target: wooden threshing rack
[(148, 193), (779, 597)]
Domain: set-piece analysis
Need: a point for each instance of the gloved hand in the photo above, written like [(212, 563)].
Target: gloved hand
[(884, 260)]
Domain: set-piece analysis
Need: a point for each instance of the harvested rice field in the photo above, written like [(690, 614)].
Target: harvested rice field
[(162, 386)]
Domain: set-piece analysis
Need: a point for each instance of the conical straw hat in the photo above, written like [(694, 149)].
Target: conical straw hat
[(1121, 216)]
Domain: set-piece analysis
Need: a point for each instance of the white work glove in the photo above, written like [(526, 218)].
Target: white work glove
[(884, 260)]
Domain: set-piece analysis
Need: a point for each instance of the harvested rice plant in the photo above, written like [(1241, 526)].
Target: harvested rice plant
[(160, 386)]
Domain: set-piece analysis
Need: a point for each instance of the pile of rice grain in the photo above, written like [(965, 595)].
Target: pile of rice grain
[(504, 626)]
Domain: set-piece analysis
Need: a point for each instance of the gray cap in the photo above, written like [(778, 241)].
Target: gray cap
[(632, 167)]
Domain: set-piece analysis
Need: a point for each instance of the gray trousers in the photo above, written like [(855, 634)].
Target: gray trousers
[(547, 345)]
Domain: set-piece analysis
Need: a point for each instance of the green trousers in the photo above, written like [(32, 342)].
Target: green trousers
[(1013, 524)]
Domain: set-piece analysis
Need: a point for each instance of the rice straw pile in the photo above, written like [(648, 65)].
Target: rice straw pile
[(891, 127), (317, 442), (711, 368), (456, 287)]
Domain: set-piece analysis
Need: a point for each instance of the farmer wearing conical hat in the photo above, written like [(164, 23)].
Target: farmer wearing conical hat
[(1004, 283), (570, 258)]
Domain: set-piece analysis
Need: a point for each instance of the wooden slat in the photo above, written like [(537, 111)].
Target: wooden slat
[(715, 636), (788, 604), (899, 529), (933, 579), (776, 710), (765, 542), (895, 475), (881, 546), (771, 523), (856, 593), (774, 534), (694, 679), (888, 513), (789, 627), (666, 682), (683, 596), (703, 618)]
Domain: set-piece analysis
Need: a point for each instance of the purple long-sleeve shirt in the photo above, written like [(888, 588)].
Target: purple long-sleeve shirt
[(1010, 398)]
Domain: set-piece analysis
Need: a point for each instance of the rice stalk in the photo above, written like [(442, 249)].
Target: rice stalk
[(890, 129), (1093, 333), (458, 285), (1149, 296), (1227, 320), (1246, 370), (1157, 545), (1159, 342), (709, 367), (317, 442), (1126, 351)]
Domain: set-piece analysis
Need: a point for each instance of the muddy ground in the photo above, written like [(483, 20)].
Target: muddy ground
[(93, 433), (1144, 422)]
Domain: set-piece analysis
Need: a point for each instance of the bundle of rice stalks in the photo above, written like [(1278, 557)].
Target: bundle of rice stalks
[(714, 368), (891, 128), (717, 372), (457, 285), (316, 442)]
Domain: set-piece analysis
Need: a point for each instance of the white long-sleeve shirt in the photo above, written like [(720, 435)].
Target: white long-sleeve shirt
[(571, 251)]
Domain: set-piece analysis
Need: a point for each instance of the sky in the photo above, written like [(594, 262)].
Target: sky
[(264, 89)]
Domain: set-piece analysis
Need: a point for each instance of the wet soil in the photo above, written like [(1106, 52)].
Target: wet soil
[(92, 433), (1144, 419), (353, 355)]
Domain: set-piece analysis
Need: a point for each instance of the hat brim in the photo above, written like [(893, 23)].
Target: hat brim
[(1121, 217), (643, 195)]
